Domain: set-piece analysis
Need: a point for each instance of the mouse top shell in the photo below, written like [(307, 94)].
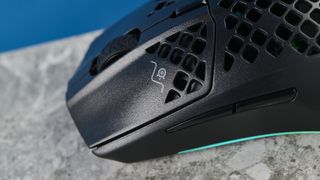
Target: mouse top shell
[(175, 75)]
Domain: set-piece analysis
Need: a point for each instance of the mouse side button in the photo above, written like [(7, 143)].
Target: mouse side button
[(285, 96), (208, 116), (280, 97)]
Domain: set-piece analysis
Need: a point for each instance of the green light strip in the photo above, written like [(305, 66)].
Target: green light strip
[(247, 139)]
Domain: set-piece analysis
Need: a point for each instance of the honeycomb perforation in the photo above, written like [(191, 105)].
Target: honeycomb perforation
[(299, 28), (184, 49)]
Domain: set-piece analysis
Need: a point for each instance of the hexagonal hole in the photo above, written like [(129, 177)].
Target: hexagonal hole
[(259, 37), (303, 6), (189, 63), (176, 56), (228, 61), (278, 9), (185, 40), (250, 53), (254, 15), (244, 29), (309, 28), (172, 95), (284, 32), (235, 44), (194, 86), (198, 46), (201, 70), (299, 43), (181, 80), (293, 18), (164, 50), (230, 22), (274, 47)]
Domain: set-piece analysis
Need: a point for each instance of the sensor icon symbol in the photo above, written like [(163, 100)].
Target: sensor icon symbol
[(162, 74)]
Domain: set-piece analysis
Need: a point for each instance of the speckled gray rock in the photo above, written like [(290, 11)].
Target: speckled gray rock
[(38, 139)]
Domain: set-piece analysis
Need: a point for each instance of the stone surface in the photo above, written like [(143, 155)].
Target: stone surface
[(38, 139), (259, 171)]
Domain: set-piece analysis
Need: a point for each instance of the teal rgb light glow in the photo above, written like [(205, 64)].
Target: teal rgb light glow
[(247, 139)]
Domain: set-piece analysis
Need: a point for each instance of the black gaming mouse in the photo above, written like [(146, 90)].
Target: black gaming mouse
[(180, 76)]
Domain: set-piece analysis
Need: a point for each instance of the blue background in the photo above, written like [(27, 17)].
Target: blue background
[(28, 22)]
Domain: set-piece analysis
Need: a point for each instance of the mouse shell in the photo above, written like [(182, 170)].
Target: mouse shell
[(177, 75)]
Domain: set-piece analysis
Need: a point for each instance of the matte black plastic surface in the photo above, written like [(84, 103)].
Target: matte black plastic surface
[(200, 73)]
